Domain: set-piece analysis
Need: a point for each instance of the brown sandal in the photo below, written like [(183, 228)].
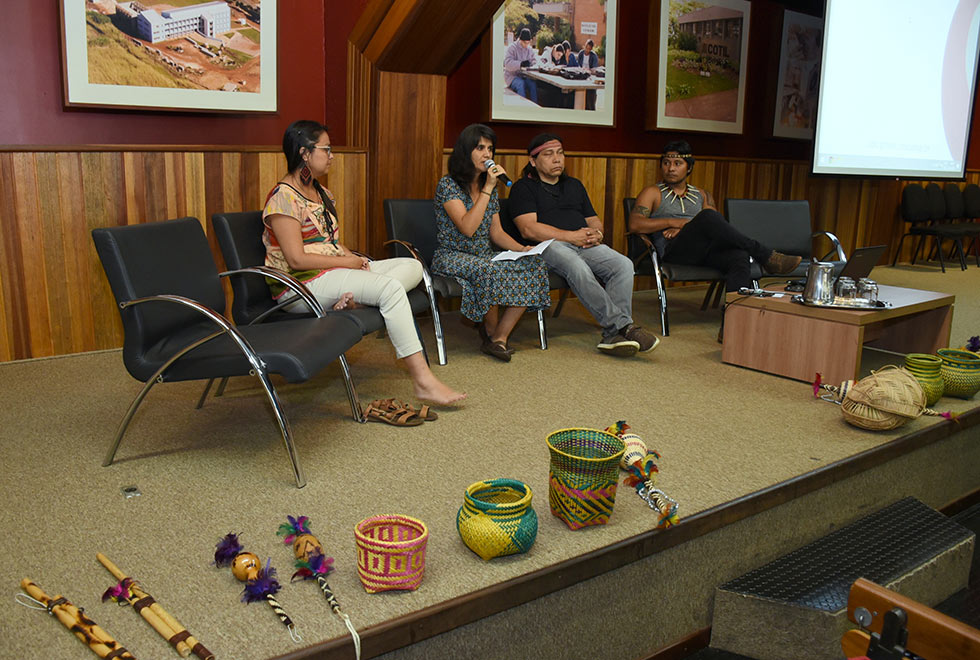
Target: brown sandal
[(386, 410), (426, 413)]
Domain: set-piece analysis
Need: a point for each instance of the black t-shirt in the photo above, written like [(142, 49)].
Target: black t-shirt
[(564, 205)]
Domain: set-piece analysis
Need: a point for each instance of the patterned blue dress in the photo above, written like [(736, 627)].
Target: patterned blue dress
[(519, 283)]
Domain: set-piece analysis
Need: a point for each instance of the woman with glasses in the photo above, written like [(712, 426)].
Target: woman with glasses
[(301, 238)]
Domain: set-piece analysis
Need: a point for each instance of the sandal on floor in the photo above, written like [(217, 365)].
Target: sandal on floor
[(387, 411), (425, 412)]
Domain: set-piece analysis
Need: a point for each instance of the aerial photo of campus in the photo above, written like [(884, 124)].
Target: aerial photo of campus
[(185, 44)]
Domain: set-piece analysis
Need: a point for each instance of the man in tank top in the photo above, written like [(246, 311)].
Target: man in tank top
[(686, 227)]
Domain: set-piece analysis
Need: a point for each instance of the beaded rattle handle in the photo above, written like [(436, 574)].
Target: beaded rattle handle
[(281, 613), (325, 588)]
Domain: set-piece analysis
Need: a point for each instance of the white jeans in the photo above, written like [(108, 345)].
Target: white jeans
[(383, 286)]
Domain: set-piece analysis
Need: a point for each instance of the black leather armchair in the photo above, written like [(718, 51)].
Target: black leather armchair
[(645, 250), (167, 286), (785, 226)]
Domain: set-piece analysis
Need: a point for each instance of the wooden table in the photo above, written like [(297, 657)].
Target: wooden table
[(779, 336), (578, 87)]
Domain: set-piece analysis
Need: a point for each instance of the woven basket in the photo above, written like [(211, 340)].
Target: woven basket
[(583, 475), (390, 552), (960, 372), (496, 518), (926, 369), (884, 400)]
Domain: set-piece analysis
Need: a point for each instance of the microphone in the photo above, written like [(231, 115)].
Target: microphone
[(502, 177)]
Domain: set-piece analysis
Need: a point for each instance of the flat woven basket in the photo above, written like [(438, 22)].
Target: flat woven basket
[(390, 552), (884, 400)]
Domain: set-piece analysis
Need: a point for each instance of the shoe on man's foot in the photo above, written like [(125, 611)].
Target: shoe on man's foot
[(647, 340), (782, 264), (619, 346)]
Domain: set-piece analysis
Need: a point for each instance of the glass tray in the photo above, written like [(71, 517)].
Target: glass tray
[(844, 303)]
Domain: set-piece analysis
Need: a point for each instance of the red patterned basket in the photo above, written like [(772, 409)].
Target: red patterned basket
[(390, 552)]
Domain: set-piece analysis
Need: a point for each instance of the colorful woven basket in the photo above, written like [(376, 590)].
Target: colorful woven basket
[(496, 518), (390, 552), (926, 369), (583, 474), (960, 372)]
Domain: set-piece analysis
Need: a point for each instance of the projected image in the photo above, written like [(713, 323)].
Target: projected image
[(799, 76), (906, 110), (703, 47)]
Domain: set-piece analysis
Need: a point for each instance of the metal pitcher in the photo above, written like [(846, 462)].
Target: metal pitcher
[(819, 283)]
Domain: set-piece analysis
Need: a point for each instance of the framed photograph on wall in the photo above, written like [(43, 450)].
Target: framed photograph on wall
[(799, 76), (554, 62), (182, 55), (703, 51)]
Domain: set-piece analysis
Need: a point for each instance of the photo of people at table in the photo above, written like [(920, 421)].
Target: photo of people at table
[(555, 54)]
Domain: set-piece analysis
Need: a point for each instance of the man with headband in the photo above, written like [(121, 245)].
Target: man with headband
[(689, 230), (547, 203)]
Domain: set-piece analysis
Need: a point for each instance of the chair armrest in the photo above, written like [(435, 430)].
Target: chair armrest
[(647, 246), (361, 254), (837, 246), (285, 278), (226, 327)]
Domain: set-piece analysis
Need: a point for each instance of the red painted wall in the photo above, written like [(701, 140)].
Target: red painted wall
[(312, 71)]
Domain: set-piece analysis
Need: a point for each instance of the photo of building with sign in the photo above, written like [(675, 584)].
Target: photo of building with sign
[(704, 49)]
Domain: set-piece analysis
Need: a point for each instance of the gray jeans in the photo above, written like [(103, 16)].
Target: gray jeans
[(601, 278)]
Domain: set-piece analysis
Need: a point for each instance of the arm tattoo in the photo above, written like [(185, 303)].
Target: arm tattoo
[(642, 210)]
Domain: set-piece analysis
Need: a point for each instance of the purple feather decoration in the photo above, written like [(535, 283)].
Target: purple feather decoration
[(265, 584), (226, 550), (973, 343), (119, 593), (314, 565)]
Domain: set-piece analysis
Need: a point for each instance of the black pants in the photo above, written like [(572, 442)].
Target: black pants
[(709, 240)]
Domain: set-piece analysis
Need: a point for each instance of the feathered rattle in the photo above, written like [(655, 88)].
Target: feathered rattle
[(311, 564), (641, 463), (260, 583)]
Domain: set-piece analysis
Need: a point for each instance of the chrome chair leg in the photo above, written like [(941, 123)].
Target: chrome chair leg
[(355, 403), (542, 331), (204, 394), (287, 436), (437, 325), (111, 454)]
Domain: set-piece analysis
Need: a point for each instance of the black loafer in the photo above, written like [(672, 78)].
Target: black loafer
[(496, 349)]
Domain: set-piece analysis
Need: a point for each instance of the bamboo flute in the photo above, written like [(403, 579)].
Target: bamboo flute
[(97, 639), (154, 614)]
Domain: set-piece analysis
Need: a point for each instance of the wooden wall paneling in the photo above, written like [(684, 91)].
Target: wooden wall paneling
[(406, 143), (79, 251), (193, 185), (617, 183), (360, 82), (52, 258), (13, 335), (34, 295)]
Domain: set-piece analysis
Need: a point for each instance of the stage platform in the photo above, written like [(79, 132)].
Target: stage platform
[(758, 465)]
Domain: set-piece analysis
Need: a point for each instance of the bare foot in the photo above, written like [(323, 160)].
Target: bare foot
[(435, 391), (346, 302)]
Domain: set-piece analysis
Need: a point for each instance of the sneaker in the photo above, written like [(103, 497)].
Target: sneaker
[(782, 264), (618, 345), (647, 340)]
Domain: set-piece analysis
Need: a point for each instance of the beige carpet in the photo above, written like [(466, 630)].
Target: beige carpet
[(723, 432)]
